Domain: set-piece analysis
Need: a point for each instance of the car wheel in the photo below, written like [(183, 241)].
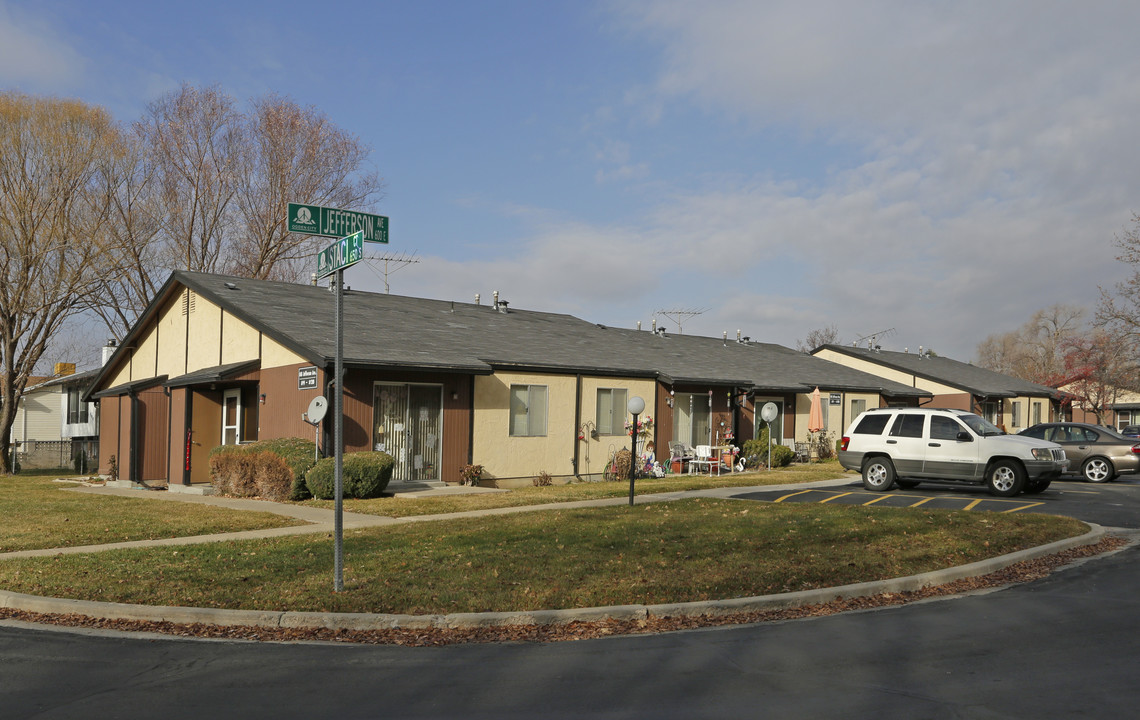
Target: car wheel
[(907, 484), (1034, 488), (1005, 478), (878, 474), (1097, 470)]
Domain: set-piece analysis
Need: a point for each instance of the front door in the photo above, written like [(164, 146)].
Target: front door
[(408, 425), (231, 417)]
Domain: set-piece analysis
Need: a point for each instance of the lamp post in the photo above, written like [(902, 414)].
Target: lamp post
[(635, 406)]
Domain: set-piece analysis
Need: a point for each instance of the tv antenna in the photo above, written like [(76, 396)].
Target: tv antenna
[(392, 263), (873, 338), (680, 315)]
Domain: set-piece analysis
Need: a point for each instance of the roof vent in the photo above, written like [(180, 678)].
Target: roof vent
[(231, 286), (501, 305), (476, 298), (639, 325)]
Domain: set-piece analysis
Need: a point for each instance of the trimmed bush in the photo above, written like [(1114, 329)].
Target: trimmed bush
[(272, 469), (782, 455), (366, 474)]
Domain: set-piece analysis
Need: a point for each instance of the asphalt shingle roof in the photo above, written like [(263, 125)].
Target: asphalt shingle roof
[(414, 333), (970, 378)]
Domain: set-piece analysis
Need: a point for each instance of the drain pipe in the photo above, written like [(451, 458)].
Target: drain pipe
[(577, 424)]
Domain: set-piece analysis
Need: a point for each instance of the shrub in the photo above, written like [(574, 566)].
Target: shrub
[(365, 475), (543, 479), (471, 474), (755, 452), (272, 476), (782, 455), (273, 469)]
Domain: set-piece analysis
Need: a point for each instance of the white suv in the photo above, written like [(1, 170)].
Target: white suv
[(911, 444)]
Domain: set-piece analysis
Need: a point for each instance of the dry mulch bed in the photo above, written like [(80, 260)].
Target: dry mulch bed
[(1018, 573)]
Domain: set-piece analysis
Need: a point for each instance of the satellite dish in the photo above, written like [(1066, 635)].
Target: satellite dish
[(317, 409), (769, 412)]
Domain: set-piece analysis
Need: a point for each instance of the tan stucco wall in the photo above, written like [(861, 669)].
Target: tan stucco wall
[(274, 354), (838, 416), (239, 341), (868, 367), (172, 340), (594, 453), (503, 456), (205, 336)]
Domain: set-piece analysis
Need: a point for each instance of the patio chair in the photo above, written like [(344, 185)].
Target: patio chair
[(702, 458), (803, 451)]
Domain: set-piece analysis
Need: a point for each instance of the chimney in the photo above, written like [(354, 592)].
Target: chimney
[(109, 350)]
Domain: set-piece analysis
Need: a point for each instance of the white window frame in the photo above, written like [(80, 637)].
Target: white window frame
[(614, 424), (535, 426), (226, 395)]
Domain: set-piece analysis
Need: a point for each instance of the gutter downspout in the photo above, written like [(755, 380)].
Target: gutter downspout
[(577, 423)]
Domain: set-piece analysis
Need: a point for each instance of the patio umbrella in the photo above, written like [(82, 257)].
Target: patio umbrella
[(815, 417)]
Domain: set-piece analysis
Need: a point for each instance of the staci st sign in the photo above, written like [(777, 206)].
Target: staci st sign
[(342, 253), (331, 222)]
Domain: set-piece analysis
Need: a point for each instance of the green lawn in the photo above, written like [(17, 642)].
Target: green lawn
[(38, 513), (404, 506), (694, 549)]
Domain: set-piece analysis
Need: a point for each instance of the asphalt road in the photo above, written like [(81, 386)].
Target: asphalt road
[(1061, 647)]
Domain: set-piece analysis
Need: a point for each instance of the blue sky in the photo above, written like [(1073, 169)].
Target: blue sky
[(943, 169)]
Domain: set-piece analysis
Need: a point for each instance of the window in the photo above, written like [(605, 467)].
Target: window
[(872, 425), (857, 407), (1016, 414), (611, 411), (76, 410), (907, 425), (990, 411), (1036, 413), (944, 428), (231, 417), (528, 410)]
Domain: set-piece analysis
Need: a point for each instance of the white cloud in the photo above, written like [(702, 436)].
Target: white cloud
[(33, 54)]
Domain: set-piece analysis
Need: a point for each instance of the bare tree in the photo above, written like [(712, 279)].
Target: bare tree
[(194, 138), (292, 153), (820, 336), (55, 156), (1120, 311), (1035, 351)]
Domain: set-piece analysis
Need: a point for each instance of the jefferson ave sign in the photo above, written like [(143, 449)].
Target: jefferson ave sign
[(331, 222)]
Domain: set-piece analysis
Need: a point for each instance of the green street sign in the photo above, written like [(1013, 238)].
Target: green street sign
[(342, 253), (332, 222)]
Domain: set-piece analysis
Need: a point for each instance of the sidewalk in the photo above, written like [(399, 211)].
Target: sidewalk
[(321, 521)]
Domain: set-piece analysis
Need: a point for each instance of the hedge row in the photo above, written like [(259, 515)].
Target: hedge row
[(286, 469)]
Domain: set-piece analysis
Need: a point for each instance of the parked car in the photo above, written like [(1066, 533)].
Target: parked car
[(1098, 453), (908, 445), (1132, 431)]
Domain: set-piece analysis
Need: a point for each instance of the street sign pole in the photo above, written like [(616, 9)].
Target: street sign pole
[(338, 443)]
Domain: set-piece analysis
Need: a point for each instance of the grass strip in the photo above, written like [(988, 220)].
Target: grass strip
[(38, 513), (696, 549), (396, 506)]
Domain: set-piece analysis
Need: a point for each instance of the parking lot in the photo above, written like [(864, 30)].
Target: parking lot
[(1115, 504)]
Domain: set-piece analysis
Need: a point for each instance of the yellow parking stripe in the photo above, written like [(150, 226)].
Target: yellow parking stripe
[(1023, 507), (834, 497), (923, 501), (801, 492), (972, 505), (881, 497)]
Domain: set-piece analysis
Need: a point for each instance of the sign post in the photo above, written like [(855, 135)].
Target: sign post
[(333, 260)]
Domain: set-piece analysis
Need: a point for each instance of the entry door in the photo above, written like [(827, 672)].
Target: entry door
[(408, 425)]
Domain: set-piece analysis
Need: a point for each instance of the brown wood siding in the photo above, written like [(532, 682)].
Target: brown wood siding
[(152, 442), (177, 455), (956, 401), (280, 416), (456, 443), (108, 433), (124, 454)]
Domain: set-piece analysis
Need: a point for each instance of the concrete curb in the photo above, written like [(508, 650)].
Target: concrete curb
[(369, 621)]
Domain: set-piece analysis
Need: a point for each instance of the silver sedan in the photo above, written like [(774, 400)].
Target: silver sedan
[(1096, 452)]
